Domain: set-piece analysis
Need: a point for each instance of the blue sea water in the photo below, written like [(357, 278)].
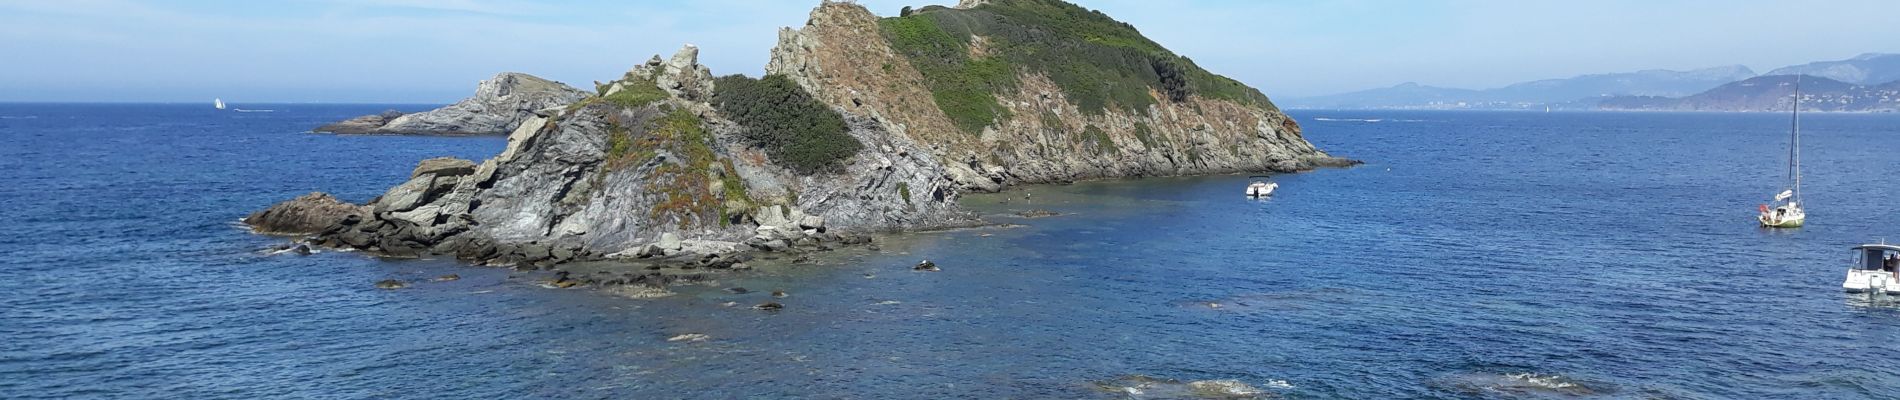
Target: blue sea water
[(1476, 255)]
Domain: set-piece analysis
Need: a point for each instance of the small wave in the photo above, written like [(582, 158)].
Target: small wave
[(1521, 383), (1350, 119), (244, 110), (19, 117), (1147, 387)]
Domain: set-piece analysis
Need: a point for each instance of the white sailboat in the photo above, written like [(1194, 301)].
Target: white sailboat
[(219, 103), (1787, 211)]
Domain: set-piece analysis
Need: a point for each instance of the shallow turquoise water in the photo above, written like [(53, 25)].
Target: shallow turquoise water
[(1487, 255)]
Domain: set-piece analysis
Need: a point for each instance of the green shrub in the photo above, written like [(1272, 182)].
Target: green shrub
[(1103, 143), (795, 129), (635, 93), (1099, 62), (1145, 134)]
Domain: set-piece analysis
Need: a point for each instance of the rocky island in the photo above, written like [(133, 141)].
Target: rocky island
[(861, 124), (500, 104)]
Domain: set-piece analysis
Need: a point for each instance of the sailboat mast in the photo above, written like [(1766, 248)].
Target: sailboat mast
[(1794, 148)]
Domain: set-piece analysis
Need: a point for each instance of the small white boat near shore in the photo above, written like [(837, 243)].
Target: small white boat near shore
[(1873, 270), (1261, 188)]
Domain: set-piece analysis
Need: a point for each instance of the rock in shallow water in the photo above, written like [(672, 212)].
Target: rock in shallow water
[(1146, 387), (390, 284), (926, 266), (310, 214)]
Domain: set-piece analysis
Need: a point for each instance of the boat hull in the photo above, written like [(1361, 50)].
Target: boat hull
[(1785, 223), (1870, 281)]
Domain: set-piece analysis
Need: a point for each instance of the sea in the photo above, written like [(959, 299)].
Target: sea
[(1502, 255)]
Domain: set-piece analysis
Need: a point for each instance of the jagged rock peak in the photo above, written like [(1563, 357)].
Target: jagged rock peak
[(681, 75), (511, 83), (968, 4)]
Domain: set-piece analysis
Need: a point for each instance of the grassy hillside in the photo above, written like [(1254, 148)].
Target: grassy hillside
[(967, 56)]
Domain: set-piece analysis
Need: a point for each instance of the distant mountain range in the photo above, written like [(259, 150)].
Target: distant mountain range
[(1857, 84), (1771, 93), (1866, 69)]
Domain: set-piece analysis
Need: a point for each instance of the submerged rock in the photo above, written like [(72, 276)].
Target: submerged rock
[(391, 284), (926, 266), (1146, 387), (769, 306), (1522, 384), (447, 278), (1038, 213)]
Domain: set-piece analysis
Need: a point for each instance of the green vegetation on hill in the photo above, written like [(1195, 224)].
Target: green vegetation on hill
[(635, 92), (1099, 62), (795, 129)]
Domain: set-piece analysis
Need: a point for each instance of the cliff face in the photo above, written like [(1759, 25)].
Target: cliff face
[(843, 135), (1041, 132), (500, 104)]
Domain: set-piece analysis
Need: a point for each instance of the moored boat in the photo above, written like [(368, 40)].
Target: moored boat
[(1873, 270), (1261, 188), (1787, 211)]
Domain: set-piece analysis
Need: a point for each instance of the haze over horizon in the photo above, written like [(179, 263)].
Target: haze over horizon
[(434, 51)]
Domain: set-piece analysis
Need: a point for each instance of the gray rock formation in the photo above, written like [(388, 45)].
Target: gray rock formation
[(560, 191), (361, 125), (499, 106), (309, 214)]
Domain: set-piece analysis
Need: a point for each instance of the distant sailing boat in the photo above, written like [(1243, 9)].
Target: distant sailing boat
[(219, 103), (1788, 213)]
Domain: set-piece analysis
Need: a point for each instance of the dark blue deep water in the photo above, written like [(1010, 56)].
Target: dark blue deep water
[(1476, 255)]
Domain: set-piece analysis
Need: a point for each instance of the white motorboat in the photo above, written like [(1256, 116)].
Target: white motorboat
[(1873, 270), (1261, 188)]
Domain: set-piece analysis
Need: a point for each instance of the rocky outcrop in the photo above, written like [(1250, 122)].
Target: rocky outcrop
[(499, 106), (672, 178), (309, 214), (361, 125), (658, 167)]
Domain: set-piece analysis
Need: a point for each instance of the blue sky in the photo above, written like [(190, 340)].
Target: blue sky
[(434, 51)]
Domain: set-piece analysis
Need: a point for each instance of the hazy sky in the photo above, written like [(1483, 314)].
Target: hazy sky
[(434, 51)]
